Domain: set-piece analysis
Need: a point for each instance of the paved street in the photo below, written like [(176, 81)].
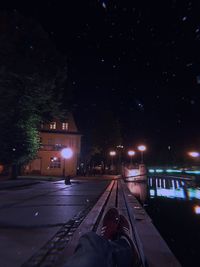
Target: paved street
[(32, 212)]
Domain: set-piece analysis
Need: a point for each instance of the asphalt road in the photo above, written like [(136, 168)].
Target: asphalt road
[(32, 212)]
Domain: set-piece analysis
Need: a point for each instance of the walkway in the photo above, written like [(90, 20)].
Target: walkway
[(41, 222)]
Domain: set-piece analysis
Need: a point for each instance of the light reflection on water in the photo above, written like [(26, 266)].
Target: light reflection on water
[(139, 190), (173, 188), (174, 206), (165, 188)]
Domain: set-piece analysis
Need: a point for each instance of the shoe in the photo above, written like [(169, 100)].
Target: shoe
[(124, 227), (124, 232), (110, 224)]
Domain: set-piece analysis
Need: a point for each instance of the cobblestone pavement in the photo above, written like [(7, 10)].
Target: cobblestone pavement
[(34, 214)]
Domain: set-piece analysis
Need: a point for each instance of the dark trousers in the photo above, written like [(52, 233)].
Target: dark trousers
[(95, 251)]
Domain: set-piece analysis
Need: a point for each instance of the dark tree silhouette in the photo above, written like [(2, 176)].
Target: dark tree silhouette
[(32, 76)]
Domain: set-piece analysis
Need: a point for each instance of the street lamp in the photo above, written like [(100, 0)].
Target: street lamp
[(112, 154), (131, 153), (194, 154), (66, 153), (142, 148), (197, 209)]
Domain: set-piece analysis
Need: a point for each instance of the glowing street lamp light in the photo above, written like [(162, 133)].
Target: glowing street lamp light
[(142, 148), (197, 209), (66, 153), (112, 154), (131, 153), (194, 154)]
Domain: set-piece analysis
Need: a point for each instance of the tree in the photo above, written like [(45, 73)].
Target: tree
[(32, 76)]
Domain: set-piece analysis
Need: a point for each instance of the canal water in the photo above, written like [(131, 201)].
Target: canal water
[(174, 206)]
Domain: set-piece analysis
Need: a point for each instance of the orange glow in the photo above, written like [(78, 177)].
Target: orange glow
[(194, 154), (112, 153), (197, 209)]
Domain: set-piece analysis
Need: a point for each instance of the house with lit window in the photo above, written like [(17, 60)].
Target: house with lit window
[(54, 137)]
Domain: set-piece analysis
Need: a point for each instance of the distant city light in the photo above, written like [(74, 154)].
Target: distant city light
[(197, 209), (141, 148), (151, 170), (131, 153), (133, 172), (193, 193), (66, 153), (194, 154), (112, 153), (173, 171), (159, 170)]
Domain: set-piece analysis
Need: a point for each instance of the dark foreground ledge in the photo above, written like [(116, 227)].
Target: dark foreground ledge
[(153, 249)]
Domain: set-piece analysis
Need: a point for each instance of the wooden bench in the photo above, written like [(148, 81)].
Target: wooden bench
[(153, 249)]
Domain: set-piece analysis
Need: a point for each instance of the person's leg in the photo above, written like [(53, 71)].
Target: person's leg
[(125, 250), (92, 251), (122, 253), (113, 248)]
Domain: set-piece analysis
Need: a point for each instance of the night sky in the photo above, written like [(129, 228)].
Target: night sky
[(141, 59)]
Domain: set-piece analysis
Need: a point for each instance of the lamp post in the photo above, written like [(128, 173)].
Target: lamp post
[(142, 148), (112, 154), (131, 153), (66, 153), (119, 149)]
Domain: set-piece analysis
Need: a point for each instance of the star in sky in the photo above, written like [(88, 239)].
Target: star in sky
[(151, 47), (104, 4)]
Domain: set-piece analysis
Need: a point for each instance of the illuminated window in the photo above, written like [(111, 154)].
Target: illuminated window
[(53, 125), (55, 162), (65, 126)]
